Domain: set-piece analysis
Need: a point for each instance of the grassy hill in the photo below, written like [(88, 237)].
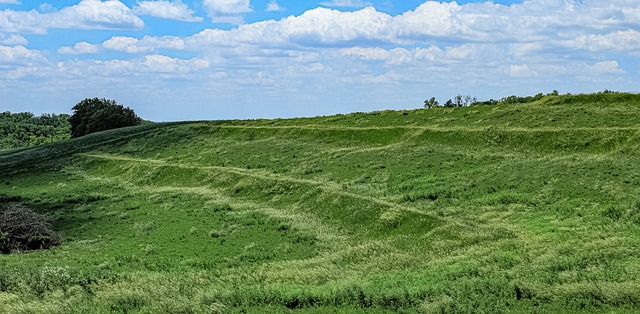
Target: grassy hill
[(509, 208)]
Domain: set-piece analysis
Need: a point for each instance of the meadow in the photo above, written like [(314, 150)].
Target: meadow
[(517, 208)]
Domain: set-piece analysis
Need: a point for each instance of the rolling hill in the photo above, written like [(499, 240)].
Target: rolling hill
[(507, 208)]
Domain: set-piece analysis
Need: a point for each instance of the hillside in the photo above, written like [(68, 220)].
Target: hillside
[(508, 208)]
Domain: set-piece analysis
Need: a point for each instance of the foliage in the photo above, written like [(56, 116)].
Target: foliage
[(503, 209), (431, 103), (21, 229), (93, 114), (25, 129)]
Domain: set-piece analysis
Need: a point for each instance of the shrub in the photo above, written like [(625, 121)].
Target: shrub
[(23, 230)]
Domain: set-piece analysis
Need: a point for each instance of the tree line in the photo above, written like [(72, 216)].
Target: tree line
[(26, 129), (90, 115), (468, 100)]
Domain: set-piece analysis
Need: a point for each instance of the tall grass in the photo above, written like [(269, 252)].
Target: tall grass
[(506, 208)]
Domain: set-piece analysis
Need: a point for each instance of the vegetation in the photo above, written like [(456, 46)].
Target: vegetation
[(525, 208), (22, 230), (25, 129), (95, 114)]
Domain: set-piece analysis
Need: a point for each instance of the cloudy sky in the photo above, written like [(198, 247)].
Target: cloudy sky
[(221, 59)]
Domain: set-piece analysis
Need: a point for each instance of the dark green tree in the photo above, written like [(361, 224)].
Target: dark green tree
[(449, 104), (25, 129), (430, 103), (95, 114)]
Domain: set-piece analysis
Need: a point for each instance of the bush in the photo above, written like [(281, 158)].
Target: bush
[(23, 230), (94, 115)]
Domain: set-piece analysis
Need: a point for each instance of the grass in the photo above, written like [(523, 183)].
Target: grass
[(509, 208)]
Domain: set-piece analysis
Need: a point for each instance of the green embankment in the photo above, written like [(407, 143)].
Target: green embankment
[(508, 208)]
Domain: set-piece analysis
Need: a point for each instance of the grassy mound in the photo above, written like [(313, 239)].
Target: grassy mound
[(508, 208)]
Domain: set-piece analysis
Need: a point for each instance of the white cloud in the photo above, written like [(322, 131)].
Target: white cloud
[(88, 14), (96, 14), (46, 8), (627, 40), (21, 22), (125, 44), (78, 49), (346, 3), (144, 45), (12, 40), (164, 64), (9, 2), (135, 67), (175, 10), (20, 55), (273, 6), (606, 67), (325, 56), (227, 11), (521, 70), (317, 27)]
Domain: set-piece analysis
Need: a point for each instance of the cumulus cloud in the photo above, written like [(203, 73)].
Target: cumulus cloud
[(438, 47), (164, 64), (273, 6), (78, 49), (610, 66), (96, 14), (144, 45), (627, 40), (135, 67), (227, 11), (317, 27), (124, 44), (20, 55), (88, 14), (175, 10), (12, 40), (346, 3)]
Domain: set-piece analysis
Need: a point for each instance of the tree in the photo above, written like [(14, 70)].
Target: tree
[(94, 114), (430, 103), (458, 101), (469, 100), (25, 129), (449, 104)]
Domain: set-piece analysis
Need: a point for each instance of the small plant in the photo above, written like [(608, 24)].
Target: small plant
[(223, 207), (215, 233), (612, 212), (23, 230)]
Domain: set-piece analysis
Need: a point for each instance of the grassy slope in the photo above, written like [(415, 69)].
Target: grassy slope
[(518, 208)]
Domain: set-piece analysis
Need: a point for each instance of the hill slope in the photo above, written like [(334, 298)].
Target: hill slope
[(518, 208)]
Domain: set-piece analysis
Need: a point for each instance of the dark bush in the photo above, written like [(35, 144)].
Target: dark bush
[(21, 229)]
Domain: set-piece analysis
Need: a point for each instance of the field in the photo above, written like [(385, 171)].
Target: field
[(526, 208)]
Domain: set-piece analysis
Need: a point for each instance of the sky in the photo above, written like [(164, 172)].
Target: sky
[(175, 60)]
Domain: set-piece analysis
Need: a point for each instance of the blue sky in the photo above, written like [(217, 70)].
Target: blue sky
[(227, 59)]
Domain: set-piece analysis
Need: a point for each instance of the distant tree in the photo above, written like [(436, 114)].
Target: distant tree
[(457, 101), (469, 101), (449, 104), (430, 103), (25, 129), (94, 114)]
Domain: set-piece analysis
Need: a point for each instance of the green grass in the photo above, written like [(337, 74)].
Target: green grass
[(510, 208)]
